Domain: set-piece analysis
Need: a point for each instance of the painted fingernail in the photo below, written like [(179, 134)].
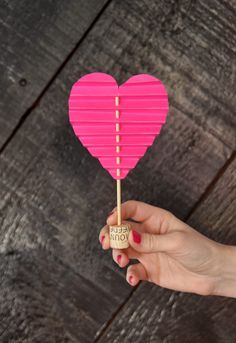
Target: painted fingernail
[(102, 239), (136, 237), (131, 279), (119, 259)]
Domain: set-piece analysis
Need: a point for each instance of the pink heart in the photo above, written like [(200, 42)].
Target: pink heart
[(118, 134)]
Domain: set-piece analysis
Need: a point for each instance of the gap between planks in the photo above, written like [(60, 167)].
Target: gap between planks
[(211, 185), (52, 79)]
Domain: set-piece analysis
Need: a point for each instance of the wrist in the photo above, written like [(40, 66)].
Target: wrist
[(226, 284)]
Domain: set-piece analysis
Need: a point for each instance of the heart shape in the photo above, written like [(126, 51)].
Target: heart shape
[(117, 123)]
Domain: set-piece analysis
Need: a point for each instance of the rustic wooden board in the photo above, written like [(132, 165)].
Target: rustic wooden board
[(156, 315), (44, 296), (218, 221), (54, 180), (55, 197), (36, 38), (39, 300)]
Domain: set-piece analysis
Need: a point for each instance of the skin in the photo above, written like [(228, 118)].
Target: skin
[(171, 254)]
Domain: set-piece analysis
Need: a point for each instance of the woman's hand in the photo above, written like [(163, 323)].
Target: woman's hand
[(170, 253)]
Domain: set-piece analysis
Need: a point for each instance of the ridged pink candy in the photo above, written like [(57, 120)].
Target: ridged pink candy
[(97, 119)]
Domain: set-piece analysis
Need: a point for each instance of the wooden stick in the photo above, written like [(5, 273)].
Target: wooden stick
[(118, 233), (118, 182), (118, 188)]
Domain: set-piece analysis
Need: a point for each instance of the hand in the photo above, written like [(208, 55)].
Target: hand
[(171, 254)]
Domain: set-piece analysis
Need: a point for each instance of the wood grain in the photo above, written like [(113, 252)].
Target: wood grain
[(48, 180), (158, 315), (44, 296), (36, 38), (39, 300)]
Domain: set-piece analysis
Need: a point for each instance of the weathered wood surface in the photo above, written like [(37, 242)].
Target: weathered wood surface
[(55, 197), (157, 315), (36, 37)]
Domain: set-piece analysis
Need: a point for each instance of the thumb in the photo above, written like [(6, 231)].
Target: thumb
[(149, 243)]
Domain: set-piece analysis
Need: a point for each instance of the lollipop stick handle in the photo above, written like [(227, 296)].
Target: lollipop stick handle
[(118, 233), (118, 188)]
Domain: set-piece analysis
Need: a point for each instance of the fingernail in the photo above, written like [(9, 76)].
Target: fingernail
[(136, 237), (109, 214), (131, 279), (119, 258), (102, 239)]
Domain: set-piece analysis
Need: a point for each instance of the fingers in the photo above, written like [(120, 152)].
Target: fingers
[(135, 273), (155, 217), (150, 243), (136, 210), (104, 233), (122, 256), (104, 237)]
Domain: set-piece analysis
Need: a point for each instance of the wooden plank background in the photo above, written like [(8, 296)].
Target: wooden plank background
[(57, 285), (37, 38)]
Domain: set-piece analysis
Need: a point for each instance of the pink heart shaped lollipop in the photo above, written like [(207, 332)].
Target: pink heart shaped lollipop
[(117, 123)]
